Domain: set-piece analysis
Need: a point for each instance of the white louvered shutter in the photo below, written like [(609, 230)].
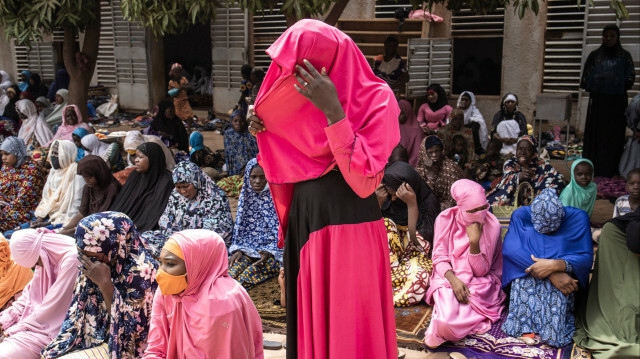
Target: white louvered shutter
[(40, 59), (106, 63), (429, 61), (267, 28)]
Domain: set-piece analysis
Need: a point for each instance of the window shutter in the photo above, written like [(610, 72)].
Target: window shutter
[(267, 28), (467, 24), (563, 46), (386, 9), (106, 63), (429, 61), (40, 59), (228, 34)]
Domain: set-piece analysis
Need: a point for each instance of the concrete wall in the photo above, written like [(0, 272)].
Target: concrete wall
[(359, 9), (7, 56)]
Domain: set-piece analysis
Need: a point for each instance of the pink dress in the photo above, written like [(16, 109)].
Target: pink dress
[(411, 134), (433, 120), (35, 318), (214, 317), (481, 272), (322, 179)]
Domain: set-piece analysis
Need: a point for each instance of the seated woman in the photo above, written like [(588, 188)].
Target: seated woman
[(525, 166), (239, 147), (77, 136), (131, 142), (44, 107), (169, 127), (145, 194), (109, 153), (607, 318), (547, 254), (13, 277), (255, 256), (194, 285), (99, 192), (509, 111), (62, 193), (410, 210), (71, 119), (467, 266), (435, 113), (473, 119), (202, 155), (34, 132), (195, 203), (36, 317), (581, 192), (55, 117), (411, 134), (111, 306), (438, 171), (21, 183)]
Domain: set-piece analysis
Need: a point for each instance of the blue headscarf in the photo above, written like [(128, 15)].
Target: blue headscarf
[(196, 141), (80, 132), (570, 241), (256, 226), (23, 86), (133, 273)]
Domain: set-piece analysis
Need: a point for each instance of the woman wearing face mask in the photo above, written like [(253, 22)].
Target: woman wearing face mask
[(21, 182), (196, 202), (111, 306), (145, 194), (71, 120), (34, 131), (193, 284), (438, 170), (509, 112), (255, 256), (62, 194), (467, 268), (30, 322)]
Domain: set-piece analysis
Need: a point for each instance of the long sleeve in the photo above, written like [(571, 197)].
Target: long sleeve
[(479, 263), (12, 315), (158, 331), (440, 255), (422, 116), (352, 158)]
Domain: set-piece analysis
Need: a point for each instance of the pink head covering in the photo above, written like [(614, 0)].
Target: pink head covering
[(214, 317), (65, 131), (411, 133), (469, 195), (295, 146)]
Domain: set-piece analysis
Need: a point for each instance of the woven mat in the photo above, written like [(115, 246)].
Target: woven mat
[(610, 187), (274, 317)]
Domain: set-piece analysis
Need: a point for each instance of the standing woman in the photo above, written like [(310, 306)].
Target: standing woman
[(608, 74), (435, 113), (326, 126)]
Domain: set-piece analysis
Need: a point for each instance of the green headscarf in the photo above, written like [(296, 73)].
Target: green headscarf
[(577, 196)]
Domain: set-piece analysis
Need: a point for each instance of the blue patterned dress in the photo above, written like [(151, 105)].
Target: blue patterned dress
[(256, 230), (239, 148), (133, 271), (209, 209)]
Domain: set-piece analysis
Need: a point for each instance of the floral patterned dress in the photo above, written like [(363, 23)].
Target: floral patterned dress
[(133, 271), (209, 209), (21, 188), (410, 265)]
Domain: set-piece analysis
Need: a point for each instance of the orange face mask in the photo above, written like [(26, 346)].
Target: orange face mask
[(171, 284)]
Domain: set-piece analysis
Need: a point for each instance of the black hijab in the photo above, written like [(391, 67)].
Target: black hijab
[(144, 196), (428, 206), (172, 127), (442, 97), (10, 109), (630, 224), (100, 197)]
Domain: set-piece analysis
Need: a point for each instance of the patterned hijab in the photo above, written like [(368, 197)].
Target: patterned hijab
[(256, 226), (209, 209), (547, 212), (16, 147), (133, 271)]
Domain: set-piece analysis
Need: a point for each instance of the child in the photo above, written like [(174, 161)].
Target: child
[(629, 203), (239, 147), (488, 167), (581, 192), (458, 151), (180, 98)]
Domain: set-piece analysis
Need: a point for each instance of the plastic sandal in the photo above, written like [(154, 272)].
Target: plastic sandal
[(271, 345)]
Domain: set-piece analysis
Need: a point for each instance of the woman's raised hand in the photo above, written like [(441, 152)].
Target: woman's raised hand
[(255, 123), (406, 193), (320, 90)]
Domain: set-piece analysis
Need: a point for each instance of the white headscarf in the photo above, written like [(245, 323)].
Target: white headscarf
[(136, 138), (62, 193), (472, 114), (55, 117), (33, 124), (96, 147), (5, 82)]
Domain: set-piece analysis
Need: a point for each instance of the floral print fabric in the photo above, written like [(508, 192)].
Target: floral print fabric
[(133, 271), (21, 188), (209, 209), (239, 148)]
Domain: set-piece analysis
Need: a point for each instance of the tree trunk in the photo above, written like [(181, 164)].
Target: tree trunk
[(335, 13), (80, 76)]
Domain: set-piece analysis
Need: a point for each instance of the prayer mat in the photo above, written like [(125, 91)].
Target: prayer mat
[(610, 187), (411, 323), (274, 317), (496, 344)]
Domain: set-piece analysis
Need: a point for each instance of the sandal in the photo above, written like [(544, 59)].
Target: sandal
[(271, 345)]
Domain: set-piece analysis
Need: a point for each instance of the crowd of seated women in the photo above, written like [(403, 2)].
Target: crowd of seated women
[(117, 252)]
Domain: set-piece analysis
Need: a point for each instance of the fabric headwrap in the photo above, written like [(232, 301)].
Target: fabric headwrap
[(531, 139), (510, 97), (547, 211), (25, 246), (432, 141), (16, 147)]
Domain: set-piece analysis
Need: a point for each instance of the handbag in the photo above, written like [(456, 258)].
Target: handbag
[(503, 213)]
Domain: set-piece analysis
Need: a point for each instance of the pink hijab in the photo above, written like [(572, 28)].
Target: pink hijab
[(65, 131), (214, 317), (451, 249), (411, 133), (46, 299), (295, 146)]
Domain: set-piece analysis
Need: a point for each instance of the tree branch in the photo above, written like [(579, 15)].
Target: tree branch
[(335, 13)]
